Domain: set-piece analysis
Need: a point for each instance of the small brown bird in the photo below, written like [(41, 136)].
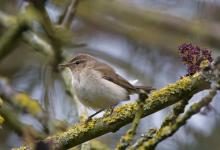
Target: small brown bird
[(97, 85)]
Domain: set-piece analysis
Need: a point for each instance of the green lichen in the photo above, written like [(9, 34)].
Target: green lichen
[(120, 113), (21, 148), (1, 102), (72, 132), (25, 102), (172, 89), (204, 64), (97, 145), (1, 120)]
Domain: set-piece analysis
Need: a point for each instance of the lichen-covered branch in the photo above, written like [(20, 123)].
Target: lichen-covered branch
[(29, 37), (124, 114), (168, 131), (50, 31), (147, 136), (126, 140), (10, 38), (22, 102), (1, 118), (21, 129), (177, 110), (210, 72)]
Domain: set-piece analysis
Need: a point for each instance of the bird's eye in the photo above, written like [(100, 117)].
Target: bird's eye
[(78, 62)]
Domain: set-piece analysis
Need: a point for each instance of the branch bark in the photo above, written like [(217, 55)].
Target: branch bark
[(10, 38), (124, 114), (169, 130)]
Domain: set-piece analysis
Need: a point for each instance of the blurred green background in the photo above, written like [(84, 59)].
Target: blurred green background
[(139, 39)]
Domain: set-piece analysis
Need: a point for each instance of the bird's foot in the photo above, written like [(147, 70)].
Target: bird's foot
[(91, 116), (109, 111)]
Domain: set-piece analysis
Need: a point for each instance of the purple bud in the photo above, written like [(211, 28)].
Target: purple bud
[(192, 56)]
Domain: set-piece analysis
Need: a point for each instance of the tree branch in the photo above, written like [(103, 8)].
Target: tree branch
[(140, 24), (169, 130), (20, 128), (126, 140), (69, 14), (10, 38), (124, 114)]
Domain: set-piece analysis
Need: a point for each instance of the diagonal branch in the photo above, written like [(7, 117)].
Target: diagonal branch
[(124, 114), (70, 14), (168, 131), (10, 38)]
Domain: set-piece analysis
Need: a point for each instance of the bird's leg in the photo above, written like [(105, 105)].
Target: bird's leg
[(109, 111), (91, 116)]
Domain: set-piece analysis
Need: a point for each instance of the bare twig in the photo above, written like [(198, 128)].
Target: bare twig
[(70, 14)]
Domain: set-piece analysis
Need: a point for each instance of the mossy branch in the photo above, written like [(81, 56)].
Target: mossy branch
[(124, 114), (11, 119), (23, 102), (147, 136), (169, 130), (10, 38), (177, 110), (126, 140), (50, 31)]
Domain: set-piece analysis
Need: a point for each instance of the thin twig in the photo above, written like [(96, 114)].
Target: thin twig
[(126, 140), (70, 14), (149, 135), (177, 110)]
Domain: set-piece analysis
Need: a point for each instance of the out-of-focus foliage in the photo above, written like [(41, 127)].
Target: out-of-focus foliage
[(138, 38)]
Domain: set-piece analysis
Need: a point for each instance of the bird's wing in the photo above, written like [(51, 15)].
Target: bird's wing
[(109, 74)]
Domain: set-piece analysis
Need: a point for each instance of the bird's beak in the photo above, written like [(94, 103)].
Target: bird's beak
[(65, 65)]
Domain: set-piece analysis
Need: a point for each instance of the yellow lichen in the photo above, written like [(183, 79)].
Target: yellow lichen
[(95, 144), (170, 89), (204, 64), (24, 101), (21, 148), (120, 112), (1, 120), (1, 102)]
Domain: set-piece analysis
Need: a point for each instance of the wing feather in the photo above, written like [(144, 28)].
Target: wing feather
[(109, 74)]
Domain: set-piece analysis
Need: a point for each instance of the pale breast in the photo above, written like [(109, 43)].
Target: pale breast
[(95, 92)]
